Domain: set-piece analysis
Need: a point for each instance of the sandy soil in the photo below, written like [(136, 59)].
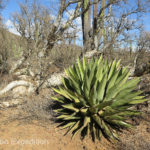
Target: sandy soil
[(33, 135), (23, 133)]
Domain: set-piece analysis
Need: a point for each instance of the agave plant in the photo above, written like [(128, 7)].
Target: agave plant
[(97, 98)]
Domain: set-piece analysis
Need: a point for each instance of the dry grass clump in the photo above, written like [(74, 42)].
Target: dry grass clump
[(39, 106), (134, 142)]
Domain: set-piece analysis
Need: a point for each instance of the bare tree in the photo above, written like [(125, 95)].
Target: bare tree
[(111, 21), (142, 64), (33, 24), (36, 25), (41, 31)]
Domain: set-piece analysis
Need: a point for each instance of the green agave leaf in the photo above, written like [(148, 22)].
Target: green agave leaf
[(93, 96), (128, 113), (76, 86), (70, 124), (84, 63), (92, 73), (99, 60), (122, 77), (107, 130), (124, 93), (130, 83), (118, 87), (133, 95), (86, 83), (87, 120), (139, 97), (74, 127), (109, 111), (121, 124), (114, 117), (93, 130), (101, 88), (73, 75), (102, 125), (115, 135), (68, 117), (72, 96), (62, 92), (123, 108), (63, 116), (76, 69), (118, 63), (66, 82), (112, 81), (104, 104), (80, 68), (84, 111), (86, 92), (72, 118), (58, 99), (71, 107), (59, 110), (128, 98), (82, 99), (138, 101), (112, 69), (97, 119), (121, 103), (112, 92), (68, 94), (98, 133), (90, 65), (100, 74), (106, 67), (66, 72), (125, 69)]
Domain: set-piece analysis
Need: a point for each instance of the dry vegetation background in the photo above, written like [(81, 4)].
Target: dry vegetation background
[(31, 116)]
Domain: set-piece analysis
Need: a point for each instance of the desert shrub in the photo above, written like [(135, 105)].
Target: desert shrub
[(10, 49), (4, 52), (97, 98), (3, 60), (64, 54), (38, 107)]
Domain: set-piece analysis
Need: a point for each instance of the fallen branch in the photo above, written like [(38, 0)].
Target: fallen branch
[(14, 84)]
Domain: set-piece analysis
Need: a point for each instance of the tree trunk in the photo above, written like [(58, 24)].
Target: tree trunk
[(86, 24), (95, 37), (102, 18)]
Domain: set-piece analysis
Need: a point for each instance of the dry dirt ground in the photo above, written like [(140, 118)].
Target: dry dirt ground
[(23, 134), (19, 131), (26, 134)]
